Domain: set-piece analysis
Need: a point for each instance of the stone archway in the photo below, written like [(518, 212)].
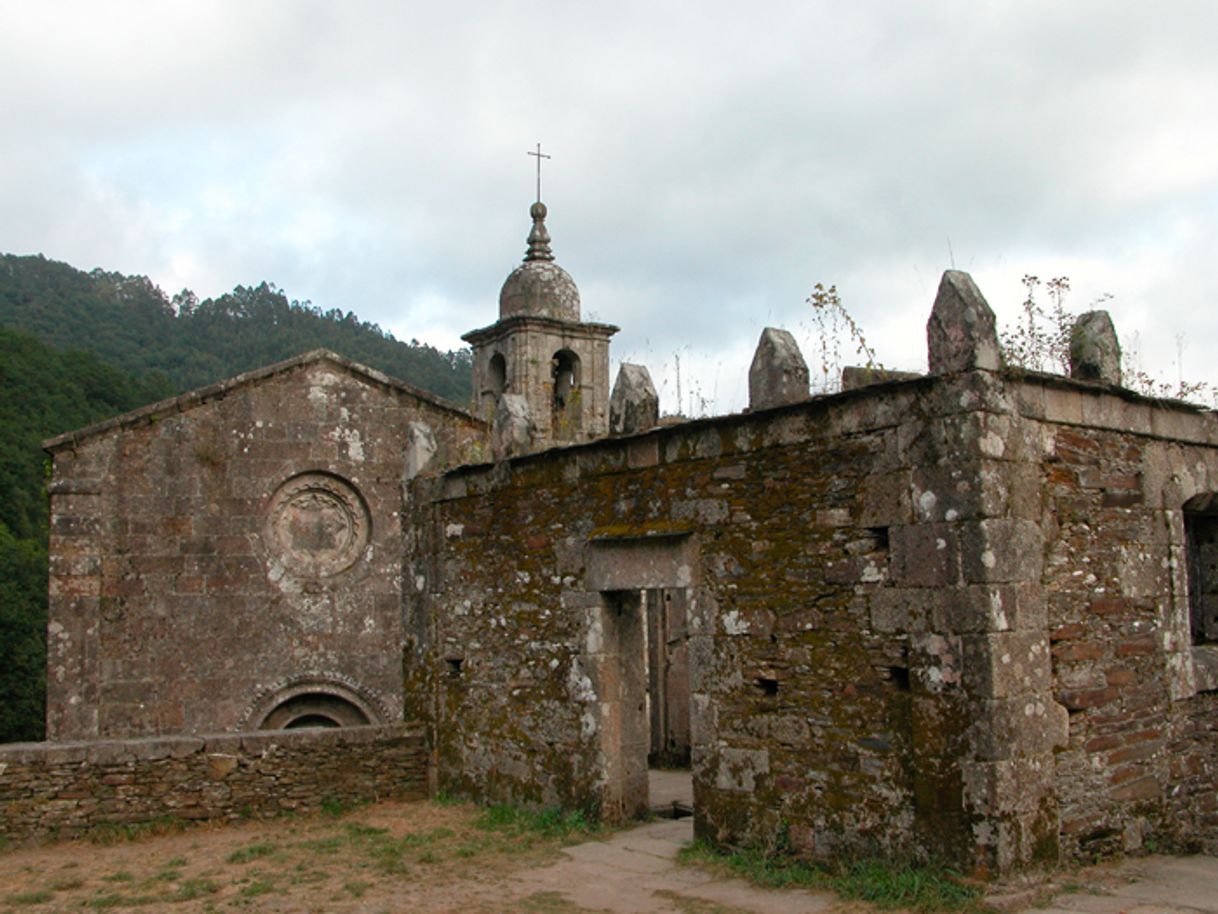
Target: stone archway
[(314, 701)]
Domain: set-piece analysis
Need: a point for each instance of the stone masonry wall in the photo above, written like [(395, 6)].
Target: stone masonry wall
[(66, 789), (1141, 764), (862, 564), (211, 552), (939, 618)]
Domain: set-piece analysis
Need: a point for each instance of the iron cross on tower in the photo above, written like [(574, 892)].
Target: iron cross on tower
[(540, 155)]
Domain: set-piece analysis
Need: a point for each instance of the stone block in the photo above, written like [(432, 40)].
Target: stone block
[(935, 663), (513, 431), (886, 500), (1026, 726), (1001, 549), (634, 405), (961, 334), (1006, 664), (997, 788), (1095, 352), (924, 555), (778, 374), (738, 769), (421, 447)]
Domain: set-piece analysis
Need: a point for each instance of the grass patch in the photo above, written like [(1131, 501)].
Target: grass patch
[(108, 833), (257, 887), (334, 806), (882, 883), (189, 889), (40, 897), (252, 852), (547, 823), (120, 876)]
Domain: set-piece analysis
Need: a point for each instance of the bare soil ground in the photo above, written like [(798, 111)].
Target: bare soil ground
[(416, 856)]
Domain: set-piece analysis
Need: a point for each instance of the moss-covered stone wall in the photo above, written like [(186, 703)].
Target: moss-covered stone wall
[(868, 661)]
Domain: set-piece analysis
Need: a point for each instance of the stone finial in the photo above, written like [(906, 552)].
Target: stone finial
[(539, 238), (1095, 353), (634, 405), (779, 373), (512, 430), (420, 448), (961, 334)]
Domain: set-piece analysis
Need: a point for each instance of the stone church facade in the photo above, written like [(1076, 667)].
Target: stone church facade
[(968, 616)]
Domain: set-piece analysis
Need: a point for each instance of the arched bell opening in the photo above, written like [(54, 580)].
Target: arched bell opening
[(566, 404)]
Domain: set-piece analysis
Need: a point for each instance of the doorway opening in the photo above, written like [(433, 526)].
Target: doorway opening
[(670, 782), (648, 719), (644, 633)]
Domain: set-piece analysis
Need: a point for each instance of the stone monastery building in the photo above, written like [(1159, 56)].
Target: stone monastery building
[(971, 615)]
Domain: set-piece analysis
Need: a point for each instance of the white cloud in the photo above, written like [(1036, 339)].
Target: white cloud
[(711, 162)]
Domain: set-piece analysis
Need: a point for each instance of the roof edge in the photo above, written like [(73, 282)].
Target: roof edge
[(199, 395)]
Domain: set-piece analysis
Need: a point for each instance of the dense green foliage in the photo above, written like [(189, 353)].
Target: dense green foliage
[(76, 348), (131, 324), (45, 392)]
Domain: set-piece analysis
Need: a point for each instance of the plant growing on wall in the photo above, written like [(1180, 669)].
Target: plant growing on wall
[(1039, 340), (832, 321)]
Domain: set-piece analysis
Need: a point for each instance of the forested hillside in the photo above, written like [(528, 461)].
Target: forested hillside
[(132, 325), (76, 348), (42, 392)]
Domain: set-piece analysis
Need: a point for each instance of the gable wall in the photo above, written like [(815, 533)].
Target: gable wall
[(171, 611)]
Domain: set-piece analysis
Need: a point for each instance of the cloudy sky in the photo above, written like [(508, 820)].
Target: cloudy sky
[(712, 161)]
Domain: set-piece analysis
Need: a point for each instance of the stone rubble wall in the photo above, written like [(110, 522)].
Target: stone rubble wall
[(939, 618), (1141, 764), (801, 704), (63, 790)]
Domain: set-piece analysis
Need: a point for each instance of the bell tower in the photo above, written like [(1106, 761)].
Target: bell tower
[(540, 349)]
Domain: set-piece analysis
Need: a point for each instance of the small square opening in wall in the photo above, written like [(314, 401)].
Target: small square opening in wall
[(454, 666), (768, 687)]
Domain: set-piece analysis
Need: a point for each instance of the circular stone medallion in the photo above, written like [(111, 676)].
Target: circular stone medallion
[(317, 525)]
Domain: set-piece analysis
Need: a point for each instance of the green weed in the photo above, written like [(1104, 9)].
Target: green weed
[(252, 852), (256, 888), (190, 889), (108, 833), (883, 883), (549, 823), (39, 897)]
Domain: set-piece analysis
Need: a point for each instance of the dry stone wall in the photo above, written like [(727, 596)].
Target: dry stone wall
[(64, 790)]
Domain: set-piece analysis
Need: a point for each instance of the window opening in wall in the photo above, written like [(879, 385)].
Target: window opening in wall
[(564, 369), (497, 375), (1201, 535)]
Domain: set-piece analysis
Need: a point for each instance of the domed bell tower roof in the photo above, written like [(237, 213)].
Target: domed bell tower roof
[(539, 287)]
